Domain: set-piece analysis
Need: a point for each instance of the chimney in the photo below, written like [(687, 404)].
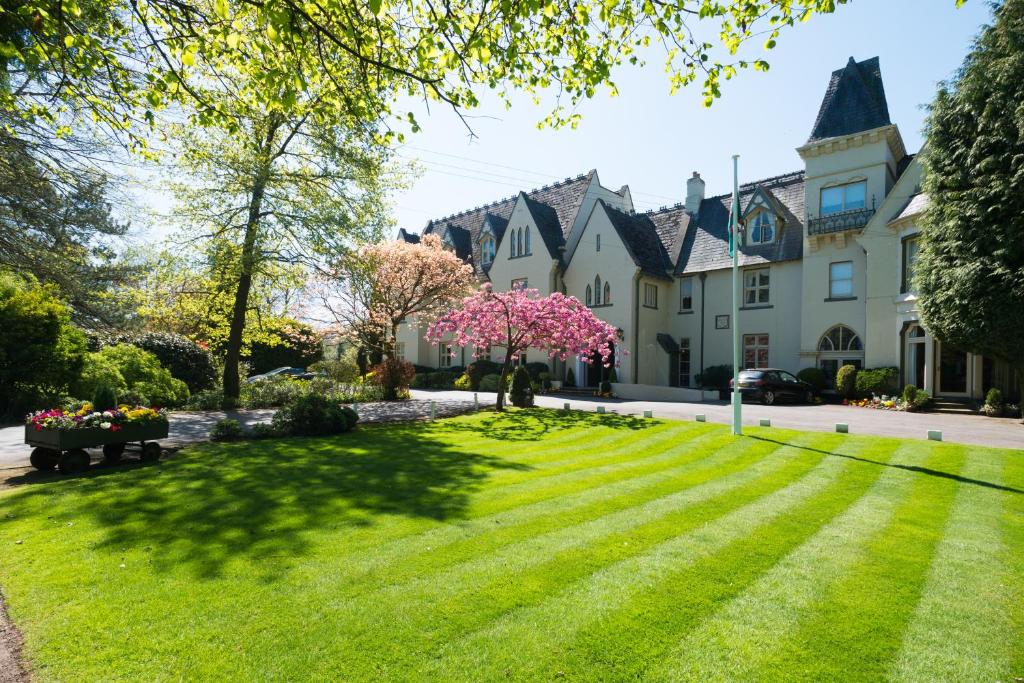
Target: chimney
[(694, 193)]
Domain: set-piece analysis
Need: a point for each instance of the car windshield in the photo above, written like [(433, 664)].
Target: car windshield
[(751, 374)]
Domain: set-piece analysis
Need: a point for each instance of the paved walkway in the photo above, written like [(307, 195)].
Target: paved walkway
[(967, 429), (191, 427)]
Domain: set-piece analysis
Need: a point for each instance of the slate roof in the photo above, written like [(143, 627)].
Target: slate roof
[(548, 225), (409, 237), (854, 101), (640, 235), (460, 238), (916, 204), (706, 243), (563, 198)]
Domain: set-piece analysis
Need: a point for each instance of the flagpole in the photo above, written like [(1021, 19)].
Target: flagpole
[(734, 239)]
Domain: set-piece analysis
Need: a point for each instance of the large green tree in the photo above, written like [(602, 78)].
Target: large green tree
[(970, 272)]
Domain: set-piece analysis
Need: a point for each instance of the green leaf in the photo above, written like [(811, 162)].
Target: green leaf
[(221, 8)]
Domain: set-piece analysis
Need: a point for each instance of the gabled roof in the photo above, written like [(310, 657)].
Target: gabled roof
[(706, 244), (640, 235), (671, 225), (460, 240), (411, 238), (915, 205), (548, 225), (564, 198), (854, 101)]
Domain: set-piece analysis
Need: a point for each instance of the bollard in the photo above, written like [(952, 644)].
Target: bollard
[(600, 409), (476, 401), (842, 428), (765, 422), (934, 435), (565, 406), (433, 410), (702, 418), (648, 413)]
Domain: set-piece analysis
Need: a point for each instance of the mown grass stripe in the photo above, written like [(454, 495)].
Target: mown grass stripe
[(1012, 530), (539, 630), (856, 630), (729, 644), (950, 638)]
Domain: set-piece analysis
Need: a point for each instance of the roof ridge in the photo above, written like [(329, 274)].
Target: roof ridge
[(775, 180)]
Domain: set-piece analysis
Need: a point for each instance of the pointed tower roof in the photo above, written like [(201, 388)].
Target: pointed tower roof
[(854, 101)]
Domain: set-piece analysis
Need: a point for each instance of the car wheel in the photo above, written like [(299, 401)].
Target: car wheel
[(808, 396), (768, 397)]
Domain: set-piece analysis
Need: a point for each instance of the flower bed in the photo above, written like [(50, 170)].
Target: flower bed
[(878, 403), (86, 418)]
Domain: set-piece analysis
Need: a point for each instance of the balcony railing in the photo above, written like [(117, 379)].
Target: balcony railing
[(837, 222)]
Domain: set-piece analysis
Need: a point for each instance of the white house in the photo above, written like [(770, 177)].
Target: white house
[(826, 256)]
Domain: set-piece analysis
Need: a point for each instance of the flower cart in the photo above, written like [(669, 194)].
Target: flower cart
[(60, 437)]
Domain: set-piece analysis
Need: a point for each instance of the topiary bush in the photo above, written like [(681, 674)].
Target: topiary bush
[(715, 377), (104, 398), (520, 394), (312, 415), (226, 429), (920, 403), (909, 394), (186, 360), (613, 376), (846, 381), (490, 382), (994, 406), (570, 378), (880, 381), (815, 377)]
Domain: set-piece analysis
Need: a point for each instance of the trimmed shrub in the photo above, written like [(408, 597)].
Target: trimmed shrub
[(207, 399), (478, 368), (351, 415), (521, 393), (570, 378), (41, 354), (490, 382), (715, 377), (815, 377), (185, 359), (263, 430), (104, 398), (846, 381), (462, 383), (909, 394), (311, 415), (393, 377), (920, 403), (880, 381), (994, 406), (226, 429)]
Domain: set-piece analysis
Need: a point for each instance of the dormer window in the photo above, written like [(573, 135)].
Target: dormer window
[(762, 228), (487, 250), (849, 197)]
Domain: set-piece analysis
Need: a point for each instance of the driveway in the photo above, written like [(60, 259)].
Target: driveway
[(194, 426), (967, 429)]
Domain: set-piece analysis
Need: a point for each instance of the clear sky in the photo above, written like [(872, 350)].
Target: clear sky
[(652, 141)]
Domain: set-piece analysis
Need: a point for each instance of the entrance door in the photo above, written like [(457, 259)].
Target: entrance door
[(596, 371), (954, 370)]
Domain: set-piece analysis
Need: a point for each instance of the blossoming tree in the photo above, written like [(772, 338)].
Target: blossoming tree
[(521, 319)]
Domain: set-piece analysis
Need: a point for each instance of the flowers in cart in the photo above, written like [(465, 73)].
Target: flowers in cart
[(85, 417)]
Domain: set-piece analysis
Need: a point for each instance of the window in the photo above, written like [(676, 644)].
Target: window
[(520, 283), (607, 295), (589, 296), (755, 351), (840, 338), (400, 350), (487, 250), (483, 353), (527, 242), (686, 294), (840, 280), (599, 242), (519, 242), (684, 362), (597, 291), (755, 287), (762, 230), (650, 295), (838, 347), (844, 198), (910, 249), (444, 359)]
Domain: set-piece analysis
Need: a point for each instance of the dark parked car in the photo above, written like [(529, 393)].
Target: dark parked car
[(768, 385), (279, 372)]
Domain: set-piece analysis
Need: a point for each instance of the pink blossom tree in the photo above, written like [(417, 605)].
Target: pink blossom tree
[(521, 319)]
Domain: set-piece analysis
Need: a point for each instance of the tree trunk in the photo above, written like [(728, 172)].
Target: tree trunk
[(233, 355), (505, 367)]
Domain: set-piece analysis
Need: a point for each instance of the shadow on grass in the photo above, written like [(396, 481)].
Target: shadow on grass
[(534, 424), (265, 502), (909, 468)]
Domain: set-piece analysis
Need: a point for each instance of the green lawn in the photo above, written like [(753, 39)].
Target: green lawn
[(530, 546)]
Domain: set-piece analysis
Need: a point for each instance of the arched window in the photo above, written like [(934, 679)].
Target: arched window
[(589, 295), (527, 240), (840, 338), (519, 242), (487, 250), (762, 229), (607, 296), (597, 291)]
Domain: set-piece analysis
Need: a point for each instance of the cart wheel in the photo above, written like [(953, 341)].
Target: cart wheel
[(44, 459), (151, 451), (112, 452), (75, 460)]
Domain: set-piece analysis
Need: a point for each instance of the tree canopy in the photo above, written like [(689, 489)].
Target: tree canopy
[(970, 273)]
